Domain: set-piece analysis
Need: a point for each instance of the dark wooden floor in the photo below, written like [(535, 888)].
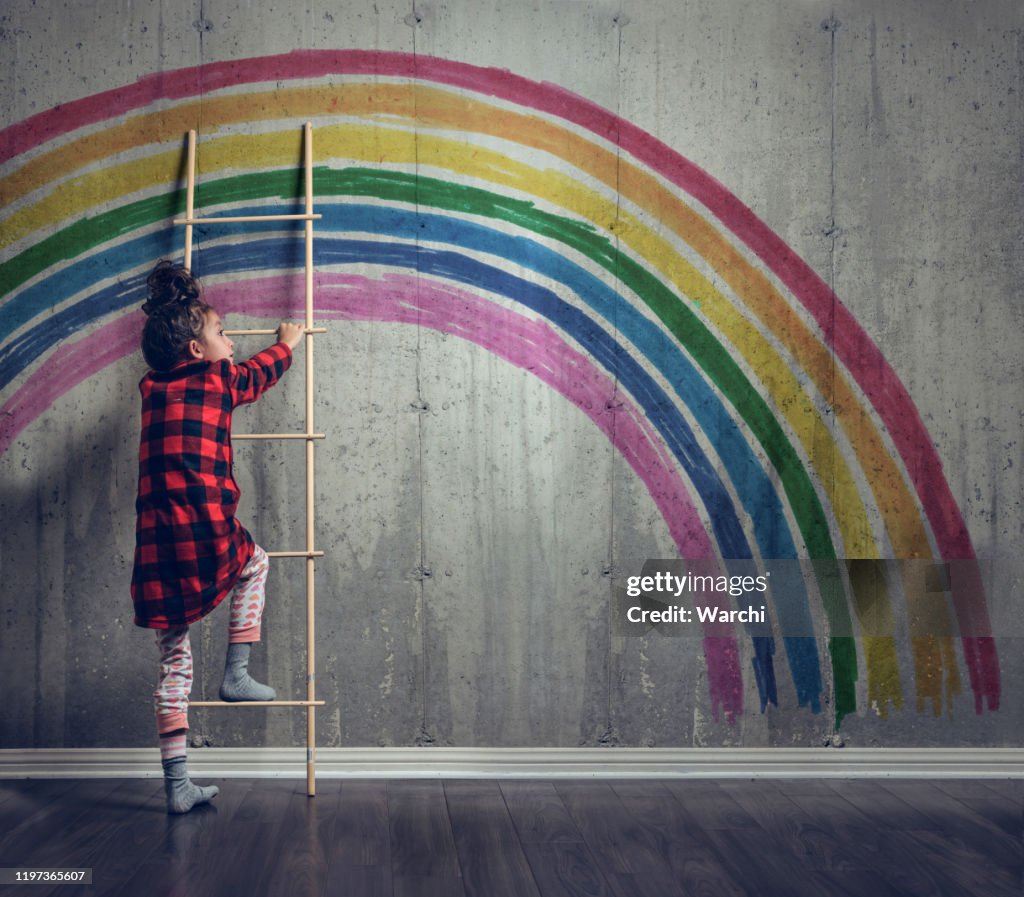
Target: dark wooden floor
[(661, 838)]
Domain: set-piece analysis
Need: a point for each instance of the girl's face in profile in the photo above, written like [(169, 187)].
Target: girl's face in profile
[(214, 345)]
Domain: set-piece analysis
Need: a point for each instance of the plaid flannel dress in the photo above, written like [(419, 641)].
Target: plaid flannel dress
[(189, 549)]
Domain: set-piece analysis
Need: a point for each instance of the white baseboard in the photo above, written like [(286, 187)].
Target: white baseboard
[(608, 763)]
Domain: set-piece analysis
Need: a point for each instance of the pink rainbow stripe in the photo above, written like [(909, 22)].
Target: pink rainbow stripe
[(529, 344)]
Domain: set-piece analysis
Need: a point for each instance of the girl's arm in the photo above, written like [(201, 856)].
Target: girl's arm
[(250, 379)]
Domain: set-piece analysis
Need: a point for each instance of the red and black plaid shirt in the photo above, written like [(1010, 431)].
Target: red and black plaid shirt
[(189, 549)]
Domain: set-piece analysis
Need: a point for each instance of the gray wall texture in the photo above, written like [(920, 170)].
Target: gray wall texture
[(796, 224)]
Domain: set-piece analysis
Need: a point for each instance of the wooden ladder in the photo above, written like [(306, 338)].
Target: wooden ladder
[(309, 553)]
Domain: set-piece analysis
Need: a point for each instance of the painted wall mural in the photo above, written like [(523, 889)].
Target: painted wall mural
[(764, 422)]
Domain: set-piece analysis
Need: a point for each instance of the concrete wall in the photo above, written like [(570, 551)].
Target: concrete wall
[(578, 262)]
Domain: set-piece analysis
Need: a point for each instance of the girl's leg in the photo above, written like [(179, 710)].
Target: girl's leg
[(170, 699), (247, 601), (171, 703)]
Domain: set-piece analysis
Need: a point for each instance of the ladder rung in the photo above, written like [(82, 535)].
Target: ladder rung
[(256, 703), (238, 219), (278, 435), (270, 332), (295, 554)]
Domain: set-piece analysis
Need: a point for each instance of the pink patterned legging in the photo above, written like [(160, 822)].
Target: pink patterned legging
[(175, 683)]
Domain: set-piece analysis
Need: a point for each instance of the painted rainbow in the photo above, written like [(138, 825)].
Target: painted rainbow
[(760, 416)]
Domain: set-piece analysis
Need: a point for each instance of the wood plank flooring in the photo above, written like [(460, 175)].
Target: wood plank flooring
[(562, 838)]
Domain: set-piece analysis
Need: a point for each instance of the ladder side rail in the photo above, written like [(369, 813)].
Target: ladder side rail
[(310, 476), (190, 195)]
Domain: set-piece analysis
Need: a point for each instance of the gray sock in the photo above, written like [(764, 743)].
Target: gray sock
[(182, 794), (238, 685)]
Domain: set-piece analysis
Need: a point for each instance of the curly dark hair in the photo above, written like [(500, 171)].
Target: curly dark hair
[(176, 313)]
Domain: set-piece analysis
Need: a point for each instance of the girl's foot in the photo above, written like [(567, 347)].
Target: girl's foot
[(238, 685), (182, 793)]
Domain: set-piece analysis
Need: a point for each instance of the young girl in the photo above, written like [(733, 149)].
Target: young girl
[(190, 552)]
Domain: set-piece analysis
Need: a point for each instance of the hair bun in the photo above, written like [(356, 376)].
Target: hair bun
[(170, 287)]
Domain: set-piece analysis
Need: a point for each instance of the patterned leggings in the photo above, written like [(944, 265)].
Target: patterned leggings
[(175, 683)]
